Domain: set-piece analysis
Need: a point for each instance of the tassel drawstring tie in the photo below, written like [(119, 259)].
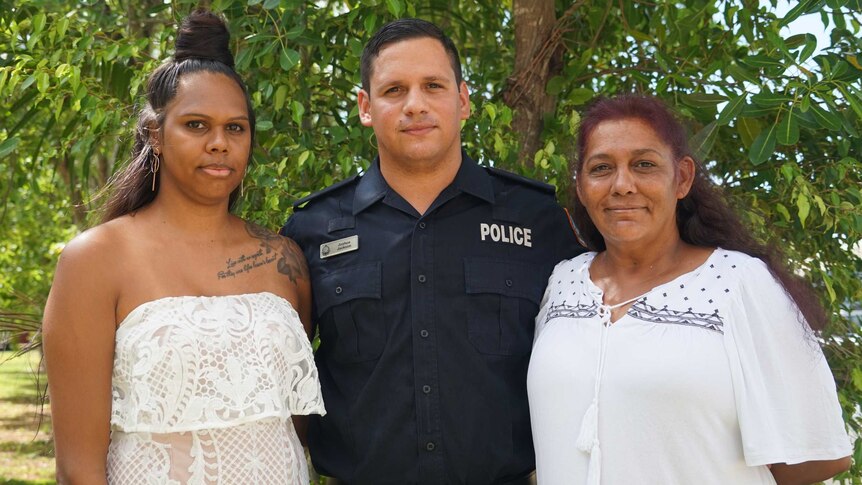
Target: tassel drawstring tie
[(588, 438)]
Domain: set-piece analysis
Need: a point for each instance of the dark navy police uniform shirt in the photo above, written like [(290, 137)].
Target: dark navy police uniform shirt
[(426, 324)]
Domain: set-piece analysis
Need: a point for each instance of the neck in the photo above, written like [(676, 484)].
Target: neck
[(179, 218), (420, 183), (644, 259)]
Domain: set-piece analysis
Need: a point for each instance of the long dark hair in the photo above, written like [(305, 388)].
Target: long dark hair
[(202, 45), (703, 217)]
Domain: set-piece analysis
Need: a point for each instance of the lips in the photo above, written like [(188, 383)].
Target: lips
[(418, 128), (217, 170)]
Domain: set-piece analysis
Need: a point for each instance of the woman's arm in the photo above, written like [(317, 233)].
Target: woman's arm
[(808, 472), (78, 335), (295, 268)]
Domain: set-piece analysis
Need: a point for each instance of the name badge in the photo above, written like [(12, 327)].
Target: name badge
[(339, 246)]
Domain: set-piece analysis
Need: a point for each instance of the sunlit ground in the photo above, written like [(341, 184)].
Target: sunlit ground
[(26, 457)]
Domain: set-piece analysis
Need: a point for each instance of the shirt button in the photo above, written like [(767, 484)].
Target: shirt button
[(509, 283), (338, 290), (430, 446), (422, 278), (421, 225), (426, 389), (423, 333)]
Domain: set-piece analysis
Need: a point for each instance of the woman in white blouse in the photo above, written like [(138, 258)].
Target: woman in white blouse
[(680, 350)]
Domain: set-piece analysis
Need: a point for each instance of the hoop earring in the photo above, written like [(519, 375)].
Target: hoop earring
[(154, 168)]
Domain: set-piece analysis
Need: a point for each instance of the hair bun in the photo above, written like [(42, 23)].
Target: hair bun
[(204, 35)]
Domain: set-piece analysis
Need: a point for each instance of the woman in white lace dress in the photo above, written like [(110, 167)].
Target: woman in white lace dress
[(176, 334), (679, 350)]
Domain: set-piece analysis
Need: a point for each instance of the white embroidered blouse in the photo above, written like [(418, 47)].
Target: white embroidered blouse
[(203, 390), (706, 379)]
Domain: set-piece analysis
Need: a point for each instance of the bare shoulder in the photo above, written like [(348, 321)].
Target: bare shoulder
[(94, 247), (86, 284), (290, 261)]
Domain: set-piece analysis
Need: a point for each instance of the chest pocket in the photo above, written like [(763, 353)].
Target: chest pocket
[(504, 297), (350, 312)]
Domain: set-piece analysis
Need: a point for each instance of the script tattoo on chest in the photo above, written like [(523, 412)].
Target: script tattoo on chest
[(273, 248), (245, 263)]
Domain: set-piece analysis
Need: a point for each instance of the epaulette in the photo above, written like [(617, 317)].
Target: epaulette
[(542, 186), (320, 193)]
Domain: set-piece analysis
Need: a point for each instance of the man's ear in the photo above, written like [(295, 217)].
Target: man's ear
[(363, 100), (464, 99)]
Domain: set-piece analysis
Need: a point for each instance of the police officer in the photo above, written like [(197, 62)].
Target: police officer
[(427, 273)]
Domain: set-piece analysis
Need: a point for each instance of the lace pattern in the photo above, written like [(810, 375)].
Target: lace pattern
[(203, 389)]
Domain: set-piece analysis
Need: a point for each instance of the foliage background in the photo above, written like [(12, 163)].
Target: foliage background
[(775, 118)]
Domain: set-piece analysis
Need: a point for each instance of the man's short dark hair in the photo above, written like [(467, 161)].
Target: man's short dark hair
[(405, 29)]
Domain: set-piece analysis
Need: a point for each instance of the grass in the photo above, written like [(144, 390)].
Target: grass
[(26, 450)]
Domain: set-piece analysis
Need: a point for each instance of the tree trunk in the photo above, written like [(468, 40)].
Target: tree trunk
[(538, 57), (79, 212)]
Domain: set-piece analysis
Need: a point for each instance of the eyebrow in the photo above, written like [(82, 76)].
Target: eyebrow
[(201, 115), (638, 152), (433, 78)]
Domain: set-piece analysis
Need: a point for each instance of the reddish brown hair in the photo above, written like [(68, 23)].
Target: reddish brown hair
[(703, 217)]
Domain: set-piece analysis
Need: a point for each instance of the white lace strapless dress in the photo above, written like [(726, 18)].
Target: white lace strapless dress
[(203, 390)]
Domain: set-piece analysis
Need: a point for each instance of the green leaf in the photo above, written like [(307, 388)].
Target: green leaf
[(555, 85), (270, 4), (763, 146), (801, 8), (370, 23), (788, 170), (298, 110), (851, 97), (779, 207), (703, 100), (579, 96), (395, 7), (748, 129), (788, 130), (491, 110), (303, 157), (803, 207), (763, 61), (38, 23), (770, 99), (856, 376), (827, 282), (263, 125), (794, 41), (43, 81), (8, 145), (810, 47), (280, 96), (731, 110), (701, 143), (294, 32), (824, 118), (288, 59)]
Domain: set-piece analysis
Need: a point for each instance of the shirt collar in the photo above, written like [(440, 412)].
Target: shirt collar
[(471, 179)]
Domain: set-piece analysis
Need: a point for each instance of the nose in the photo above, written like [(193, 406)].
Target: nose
[(624, 181), (415, 102), (217, 141)]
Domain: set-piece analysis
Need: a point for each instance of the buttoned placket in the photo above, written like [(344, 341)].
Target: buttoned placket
[(425, 369)]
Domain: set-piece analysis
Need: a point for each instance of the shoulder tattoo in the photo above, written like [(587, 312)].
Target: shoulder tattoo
[(290, 260)]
